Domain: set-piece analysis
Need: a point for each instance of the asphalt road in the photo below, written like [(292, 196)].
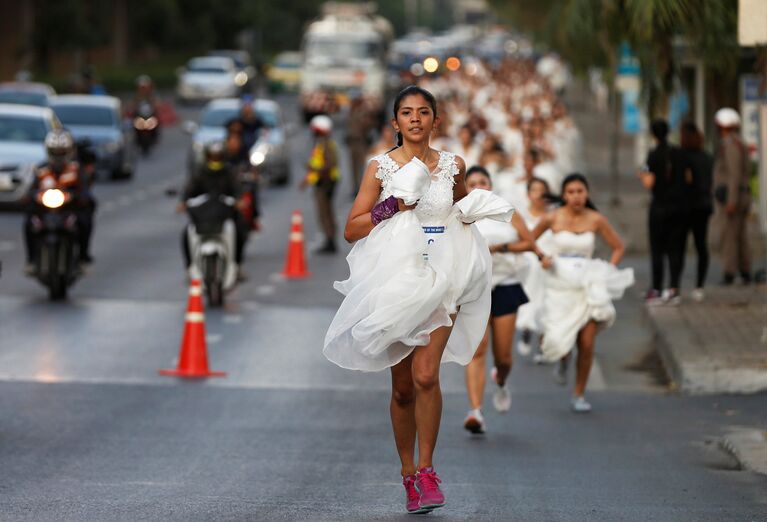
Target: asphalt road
[(90, 431)]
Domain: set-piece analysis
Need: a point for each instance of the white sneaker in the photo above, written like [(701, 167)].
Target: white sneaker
[(538, 358), (580, 405), (698, 295), (474, 422), (671, 297), (502, 398), (524, 348)]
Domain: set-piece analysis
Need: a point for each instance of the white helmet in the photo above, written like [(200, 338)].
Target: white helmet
[(727, 118), (321, 124), (59, 142)]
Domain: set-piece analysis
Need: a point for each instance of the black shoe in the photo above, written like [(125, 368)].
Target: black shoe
[(727, 280), (86, 259), (746, 278), (328, 248)]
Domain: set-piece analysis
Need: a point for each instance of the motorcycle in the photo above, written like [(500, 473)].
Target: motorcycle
[(147, 127), (57, 249), (212, 240)]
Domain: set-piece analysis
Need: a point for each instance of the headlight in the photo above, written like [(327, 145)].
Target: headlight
[(53, 198), (240, 79), (257, 157)]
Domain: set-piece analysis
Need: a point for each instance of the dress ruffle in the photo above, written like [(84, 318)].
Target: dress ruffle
[(579, 290), (405, 283)]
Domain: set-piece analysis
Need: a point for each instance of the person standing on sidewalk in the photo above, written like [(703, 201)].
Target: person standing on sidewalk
[(731, 175), (663, 175), (506, 242), (322, 173), (358, 127), (698, 177)]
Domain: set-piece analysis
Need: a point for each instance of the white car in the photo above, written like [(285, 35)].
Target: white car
[(210, 77), (270, 153), (22, 148)]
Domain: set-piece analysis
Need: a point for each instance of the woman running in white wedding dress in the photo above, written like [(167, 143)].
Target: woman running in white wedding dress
[(579, 289), (418, 292)]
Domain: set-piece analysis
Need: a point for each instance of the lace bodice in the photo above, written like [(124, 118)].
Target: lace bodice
[(434, 207), (568, 243)]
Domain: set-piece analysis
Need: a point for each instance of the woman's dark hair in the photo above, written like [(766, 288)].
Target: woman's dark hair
[(541, 181), (690, 137), (478, 169), (659, 129), (576, 177), (413, 90)]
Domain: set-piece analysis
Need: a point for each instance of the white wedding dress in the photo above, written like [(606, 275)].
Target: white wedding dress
[(530, 314), (414, 270), (578, 289)]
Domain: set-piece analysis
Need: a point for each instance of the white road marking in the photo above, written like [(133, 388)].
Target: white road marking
[(233, 319), (213, 338), (264, 290), (277, 277)]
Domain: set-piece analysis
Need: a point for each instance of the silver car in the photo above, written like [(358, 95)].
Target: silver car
[(270, 153), (22, 148), (26, 93), (210, 77), (97, 120)]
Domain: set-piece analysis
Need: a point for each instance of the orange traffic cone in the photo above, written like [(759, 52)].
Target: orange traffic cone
[(295, 264), (193, 359)]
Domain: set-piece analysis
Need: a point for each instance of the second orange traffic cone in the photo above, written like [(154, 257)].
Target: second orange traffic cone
[(193, 358), (295, 263)]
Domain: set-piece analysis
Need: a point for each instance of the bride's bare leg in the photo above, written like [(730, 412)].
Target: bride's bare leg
[(428, 396), (475, 374), (402, 410)]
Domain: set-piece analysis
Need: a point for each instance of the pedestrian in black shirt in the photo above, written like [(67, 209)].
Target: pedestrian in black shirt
[(699, 181), (663, 175)]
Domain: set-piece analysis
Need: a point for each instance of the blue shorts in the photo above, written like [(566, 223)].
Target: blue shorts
[(506, 299)]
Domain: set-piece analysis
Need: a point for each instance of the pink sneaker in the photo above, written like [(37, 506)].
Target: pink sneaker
[(412, 497), (427, 482)]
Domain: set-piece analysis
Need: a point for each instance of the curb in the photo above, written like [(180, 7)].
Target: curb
[(687, 364), (748, 446)]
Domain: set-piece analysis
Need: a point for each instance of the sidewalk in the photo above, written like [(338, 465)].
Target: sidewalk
[(717, 346)]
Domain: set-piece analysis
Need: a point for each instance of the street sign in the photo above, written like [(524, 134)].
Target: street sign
[(752, 22)]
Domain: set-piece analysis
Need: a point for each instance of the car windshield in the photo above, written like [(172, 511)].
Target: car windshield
[(341, 49), (85, 115), (24, 98), (220, 117), (22, 129), (206, 66)]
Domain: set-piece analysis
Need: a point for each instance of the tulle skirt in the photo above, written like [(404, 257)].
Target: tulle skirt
[(578, 290)]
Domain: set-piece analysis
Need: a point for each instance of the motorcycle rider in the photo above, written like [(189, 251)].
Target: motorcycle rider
[(215, 178), (251, 123), (60, 171), (144, 93)]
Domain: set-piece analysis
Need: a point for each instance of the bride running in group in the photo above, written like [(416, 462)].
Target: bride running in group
[(418, 292), (579, 289), (506, 242)]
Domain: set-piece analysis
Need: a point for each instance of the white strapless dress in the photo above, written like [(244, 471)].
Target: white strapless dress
[(578, 289), (412, 272)]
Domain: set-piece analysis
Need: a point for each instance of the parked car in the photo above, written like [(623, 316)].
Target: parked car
[(270, 153), (284, 72), (22, 148), (97, 119), (242, 62), (26, 93), (210, 77)]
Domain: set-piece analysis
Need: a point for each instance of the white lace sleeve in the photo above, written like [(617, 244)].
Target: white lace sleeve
[(386, 168), (448, 166)]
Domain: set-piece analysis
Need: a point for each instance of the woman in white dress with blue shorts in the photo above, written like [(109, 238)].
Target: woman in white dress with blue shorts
[(418, 292), (579, 289)]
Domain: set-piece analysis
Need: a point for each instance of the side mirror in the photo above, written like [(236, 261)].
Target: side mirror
[(189, 127)]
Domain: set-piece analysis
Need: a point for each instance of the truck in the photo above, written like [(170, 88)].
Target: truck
[(344, 56)]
